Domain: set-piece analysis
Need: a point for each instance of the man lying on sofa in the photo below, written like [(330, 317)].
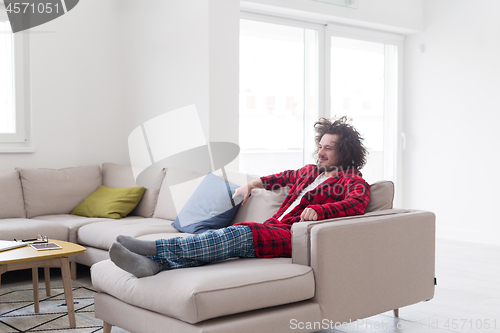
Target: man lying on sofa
[(331, 188)]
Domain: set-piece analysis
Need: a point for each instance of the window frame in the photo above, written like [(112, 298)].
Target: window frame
[(20, 141)]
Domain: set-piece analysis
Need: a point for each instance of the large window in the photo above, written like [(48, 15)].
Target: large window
[(363, 79), (291, 73), (278, 94), (14, 106)]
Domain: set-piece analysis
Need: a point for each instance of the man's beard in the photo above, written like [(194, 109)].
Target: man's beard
[(323, 168)]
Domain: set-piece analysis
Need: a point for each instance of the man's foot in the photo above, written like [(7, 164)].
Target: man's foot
[(137, 246), (134, 263)]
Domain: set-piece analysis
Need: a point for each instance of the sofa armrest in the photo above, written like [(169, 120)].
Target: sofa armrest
[(301, 232), (370, 264)]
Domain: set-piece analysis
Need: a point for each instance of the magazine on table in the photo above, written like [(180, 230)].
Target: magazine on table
[(45, 246)]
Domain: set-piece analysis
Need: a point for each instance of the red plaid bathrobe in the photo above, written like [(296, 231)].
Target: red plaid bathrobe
[(344, 194)]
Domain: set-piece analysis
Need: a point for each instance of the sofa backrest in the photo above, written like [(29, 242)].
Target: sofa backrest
[(168, 207), (381, 196), (11, 196), (116, 175), (165, 207), (51, 191), (263, 204)]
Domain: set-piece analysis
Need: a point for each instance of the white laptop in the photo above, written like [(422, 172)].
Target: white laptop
[(8, 245)]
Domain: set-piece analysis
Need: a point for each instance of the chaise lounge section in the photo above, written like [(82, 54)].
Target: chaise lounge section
[(341, 270)]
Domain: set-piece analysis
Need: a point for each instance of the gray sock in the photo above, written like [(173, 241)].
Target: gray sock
[(137, 246), (134, 263)]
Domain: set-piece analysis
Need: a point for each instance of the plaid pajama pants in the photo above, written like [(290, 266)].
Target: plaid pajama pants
[(200, 249)]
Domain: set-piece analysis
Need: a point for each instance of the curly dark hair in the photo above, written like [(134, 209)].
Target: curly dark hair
[(350, 148)]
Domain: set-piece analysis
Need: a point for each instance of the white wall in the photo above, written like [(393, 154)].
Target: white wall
[(76, 91), (165, 54), (224, 36), (106, 67), (451, 118), (178, 53), (396, 15)]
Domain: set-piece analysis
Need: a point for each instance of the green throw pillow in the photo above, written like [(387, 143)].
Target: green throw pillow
[(110, 202)]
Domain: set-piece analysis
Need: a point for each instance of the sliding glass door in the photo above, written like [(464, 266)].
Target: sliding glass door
[(363, 84), (278, 95), (292, 73)]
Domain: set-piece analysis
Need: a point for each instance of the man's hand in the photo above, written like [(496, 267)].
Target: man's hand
[(308, 214), (246, 189)]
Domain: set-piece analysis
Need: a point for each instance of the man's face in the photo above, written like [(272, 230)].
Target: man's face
[(327, 156)]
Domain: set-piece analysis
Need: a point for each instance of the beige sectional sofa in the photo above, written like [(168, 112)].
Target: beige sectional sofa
[(341, 269)]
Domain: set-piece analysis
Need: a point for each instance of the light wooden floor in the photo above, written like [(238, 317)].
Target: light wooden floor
[(467, 297)]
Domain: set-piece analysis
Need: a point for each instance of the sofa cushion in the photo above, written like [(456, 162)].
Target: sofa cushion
[(50, 191), (11, 196), (23, 228), (165, 207), (209, 207), (115, 175), (71, 222), (196, 294), (110, 202), (102, 234), (381, 196), (261, 205)]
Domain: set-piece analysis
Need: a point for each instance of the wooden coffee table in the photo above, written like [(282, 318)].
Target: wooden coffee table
[(27, 257)]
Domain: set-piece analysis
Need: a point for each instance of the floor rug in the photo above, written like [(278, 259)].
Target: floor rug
[(17, 310)]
